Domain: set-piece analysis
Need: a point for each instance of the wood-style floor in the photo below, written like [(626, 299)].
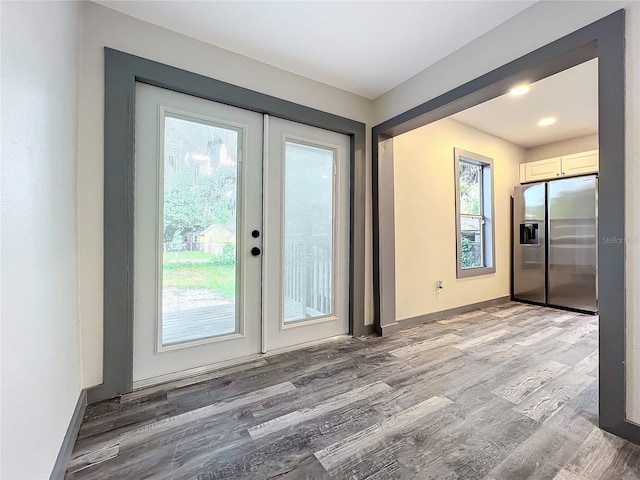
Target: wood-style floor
[(508, 392)]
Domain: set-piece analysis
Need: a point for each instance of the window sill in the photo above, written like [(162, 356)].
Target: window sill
[(474, 272)]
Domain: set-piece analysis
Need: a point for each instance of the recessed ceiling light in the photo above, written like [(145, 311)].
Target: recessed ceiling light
[(545, 122), (519, 90)]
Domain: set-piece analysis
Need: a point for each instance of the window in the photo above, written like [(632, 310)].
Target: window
[(474, 214)]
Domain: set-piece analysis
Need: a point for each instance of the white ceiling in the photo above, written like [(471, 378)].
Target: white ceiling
[(364, 47), (368, 47), (570, 96)]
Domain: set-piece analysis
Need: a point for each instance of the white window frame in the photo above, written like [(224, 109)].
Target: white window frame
[(487, 214)]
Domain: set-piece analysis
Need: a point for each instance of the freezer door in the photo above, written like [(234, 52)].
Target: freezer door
[(529, 236), (573, 253)]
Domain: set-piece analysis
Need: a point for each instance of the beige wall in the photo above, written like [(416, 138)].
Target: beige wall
[(40, 338), (564, 147), (632, 210), (104, 27), (511, 40), (425, 217)]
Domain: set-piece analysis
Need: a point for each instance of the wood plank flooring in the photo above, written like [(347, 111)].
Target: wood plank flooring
[(508, 392)]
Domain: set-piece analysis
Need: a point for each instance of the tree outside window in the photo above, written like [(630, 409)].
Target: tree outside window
[(474, 212)]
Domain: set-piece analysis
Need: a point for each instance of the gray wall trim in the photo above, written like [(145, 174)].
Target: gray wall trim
[(495, 83), (69, 441), (122, 71), (384, 244), (451, 312), (367, 330), (603, 39), (389, 329)]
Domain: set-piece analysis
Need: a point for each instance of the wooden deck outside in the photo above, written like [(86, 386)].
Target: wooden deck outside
[(204, 322), (197, 323)]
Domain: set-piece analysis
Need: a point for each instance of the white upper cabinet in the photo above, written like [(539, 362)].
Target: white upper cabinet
[(543, 169), (566, 166), (580, 163)]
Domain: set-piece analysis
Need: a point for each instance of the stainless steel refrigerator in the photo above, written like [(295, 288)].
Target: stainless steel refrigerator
[(555, 254)]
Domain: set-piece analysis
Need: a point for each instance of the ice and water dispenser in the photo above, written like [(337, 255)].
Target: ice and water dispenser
[(529, 234)]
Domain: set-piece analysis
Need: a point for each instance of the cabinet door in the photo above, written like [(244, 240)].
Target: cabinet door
[(523, 173), (543, 169), (580, 163)]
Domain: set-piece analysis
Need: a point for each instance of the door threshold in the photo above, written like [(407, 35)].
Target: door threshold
[(205, 370), (300, 346)]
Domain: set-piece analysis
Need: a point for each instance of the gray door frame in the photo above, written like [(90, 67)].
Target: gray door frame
[(122, 71), (603, 39)]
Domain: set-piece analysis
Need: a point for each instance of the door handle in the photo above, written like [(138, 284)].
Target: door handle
[(255, 251)]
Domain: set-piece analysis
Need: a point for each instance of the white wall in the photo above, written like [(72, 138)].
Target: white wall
[(563, 147), (104, 27), (533, 28), (40, 350), (425, 217)]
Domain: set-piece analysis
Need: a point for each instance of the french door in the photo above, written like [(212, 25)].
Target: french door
[(306, 234), (240, 235)]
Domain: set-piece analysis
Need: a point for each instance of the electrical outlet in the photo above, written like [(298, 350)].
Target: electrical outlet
[(439, 286)]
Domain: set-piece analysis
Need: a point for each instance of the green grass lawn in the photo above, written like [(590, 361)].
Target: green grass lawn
[(220, 278), (184, 256)]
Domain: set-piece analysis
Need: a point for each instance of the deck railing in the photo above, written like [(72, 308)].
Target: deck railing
[(308, 273), (308, 276)]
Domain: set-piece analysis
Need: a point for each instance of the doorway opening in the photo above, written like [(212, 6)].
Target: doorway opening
[(603, 40)]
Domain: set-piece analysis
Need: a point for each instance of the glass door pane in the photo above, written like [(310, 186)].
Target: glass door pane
[(198, 230), (308, 231)]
